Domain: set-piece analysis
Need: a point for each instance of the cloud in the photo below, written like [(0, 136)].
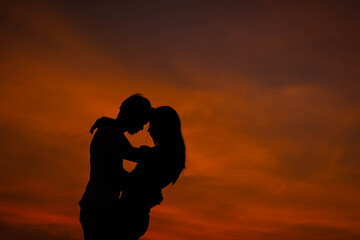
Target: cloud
[(299, 231), (11, 232)]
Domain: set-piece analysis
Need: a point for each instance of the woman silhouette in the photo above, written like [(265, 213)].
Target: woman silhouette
[(157, 167)]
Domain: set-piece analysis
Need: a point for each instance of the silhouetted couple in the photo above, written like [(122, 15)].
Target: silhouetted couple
[(105, 215)]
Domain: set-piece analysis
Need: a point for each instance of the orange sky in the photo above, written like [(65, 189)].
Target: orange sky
[(267, 91)]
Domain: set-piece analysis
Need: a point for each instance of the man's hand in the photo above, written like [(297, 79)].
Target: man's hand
[(101, 122)]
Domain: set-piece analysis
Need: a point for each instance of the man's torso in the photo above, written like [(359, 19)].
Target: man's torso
[(106, 171)]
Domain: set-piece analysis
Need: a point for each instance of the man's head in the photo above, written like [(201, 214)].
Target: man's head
[(134, 113)]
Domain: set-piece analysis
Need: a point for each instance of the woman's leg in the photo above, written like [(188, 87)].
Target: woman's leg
[(133, 222)]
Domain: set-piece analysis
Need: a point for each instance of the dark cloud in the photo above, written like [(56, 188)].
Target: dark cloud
[(273, 44), (11, 232), (308, 231)]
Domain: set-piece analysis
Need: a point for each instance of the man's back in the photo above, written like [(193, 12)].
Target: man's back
[(106, 170)]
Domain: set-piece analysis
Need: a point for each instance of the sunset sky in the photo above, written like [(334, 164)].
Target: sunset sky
[(268, 93)]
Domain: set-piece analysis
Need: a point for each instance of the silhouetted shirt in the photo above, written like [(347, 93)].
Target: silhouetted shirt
[(106, 167)]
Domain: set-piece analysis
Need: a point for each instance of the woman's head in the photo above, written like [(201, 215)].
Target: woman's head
[(165, 126), (165, 129)]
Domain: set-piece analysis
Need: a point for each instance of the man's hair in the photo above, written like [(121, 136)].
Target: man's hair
[(135, 105)]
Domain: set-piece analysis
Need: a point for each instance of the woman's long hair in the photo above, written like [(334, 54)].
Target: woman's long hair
[(166, 129)]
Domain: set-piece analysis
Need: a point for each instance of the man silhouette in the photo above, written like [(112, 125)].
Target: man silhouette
[(98, 204)]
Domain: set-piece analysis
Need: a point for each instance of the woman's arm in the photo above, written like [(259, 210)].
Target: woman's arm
[(101, 122), (143, 153)]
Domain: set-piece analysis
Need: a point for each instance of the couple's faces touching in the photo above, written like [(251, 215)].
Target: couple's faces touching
[(136, 125)]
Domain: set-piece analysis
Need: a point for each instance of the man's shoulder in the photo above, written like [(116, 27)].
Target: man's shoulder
[(111, 135), (106, 128), (106, 131)]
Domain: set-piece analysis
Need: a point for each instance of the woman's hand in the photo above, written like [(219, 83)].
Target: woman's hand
[(101, 122)]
